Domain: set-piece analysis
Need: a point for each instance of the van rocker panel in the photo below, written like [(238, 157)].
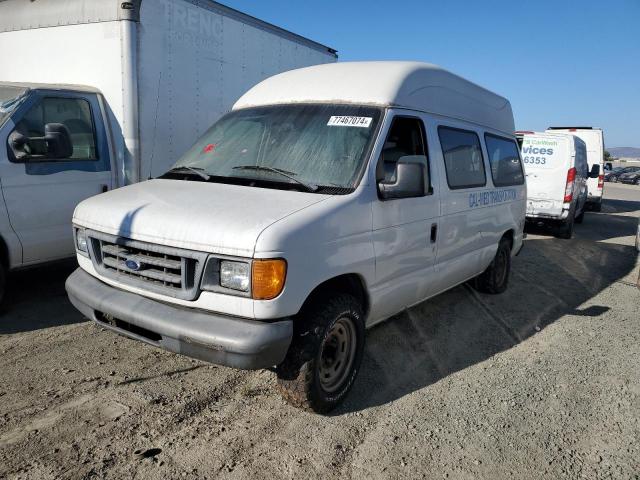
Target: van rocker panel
[(220, 339)]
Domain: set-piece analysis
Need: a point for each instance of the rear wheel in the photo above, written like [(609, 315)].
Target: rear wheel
[(597, 207), (325, 355), (566, 229), (638, 181), (580, 217), (496, 277), (614, 179)]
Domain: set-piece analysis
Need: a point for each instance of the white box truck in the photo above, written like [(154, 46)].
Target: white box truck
[(96, 94), (594, 139)]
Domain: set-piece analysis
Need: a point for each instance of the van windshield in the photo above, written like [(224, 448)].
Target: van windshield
[(10, 97), (288, 145)]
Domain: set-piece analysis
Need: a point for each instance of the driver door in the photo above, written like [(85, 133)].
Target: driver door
[(41, 192)]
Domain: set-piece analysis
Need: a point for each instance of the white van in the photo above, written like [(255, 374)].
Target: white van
[(594, 139), (322, 204), (61, 142), (557, 174)]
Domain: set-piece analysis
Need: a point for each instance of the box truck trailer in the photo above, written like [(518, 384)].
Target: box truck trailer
[(97, 94)]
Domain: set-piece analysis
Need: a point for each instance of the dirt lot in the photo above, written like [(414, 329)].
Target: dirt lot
[(542, 381)]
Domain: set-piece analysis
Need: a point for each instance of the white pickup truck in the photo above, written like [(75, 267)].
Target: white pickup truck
[(97, 94), (322, 204)]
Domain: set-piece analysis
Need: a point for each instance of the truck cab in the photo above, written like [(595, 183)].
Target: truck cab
[(55, 154)]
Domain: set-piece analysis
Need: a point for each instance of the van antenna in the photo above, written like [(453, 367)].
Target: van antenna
[(155, 126)]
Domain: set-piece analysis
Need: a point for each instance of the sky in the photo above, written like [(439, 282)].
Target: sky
[(559, 62)]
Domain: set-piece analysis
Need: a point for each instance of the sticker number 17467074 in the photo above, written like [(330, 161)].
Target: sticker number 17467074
[(348, 121)]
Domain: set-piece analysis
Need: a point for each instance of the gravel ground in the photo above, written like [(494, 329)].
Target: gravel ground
[(540, 382)]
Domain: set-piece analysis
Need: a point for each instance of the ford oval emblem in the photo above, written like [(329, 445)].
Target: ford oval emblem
[(133, 264)]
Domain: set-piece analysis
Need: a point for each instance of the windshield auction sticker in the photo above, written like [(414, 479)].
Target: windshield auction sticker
[(345, 121)]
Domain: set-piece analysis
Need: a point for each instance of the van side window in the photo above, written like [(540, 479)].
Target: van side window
[(506, 167), (462, 158), (73, 113), (405, 139)]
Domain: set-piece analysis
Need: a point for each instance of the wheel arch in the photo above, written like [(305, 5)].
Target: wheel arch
[(509, 235), (351, 283)]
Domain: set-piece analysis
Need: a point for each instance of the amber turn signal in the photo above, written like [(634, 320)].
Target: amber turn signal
[(267, 278)]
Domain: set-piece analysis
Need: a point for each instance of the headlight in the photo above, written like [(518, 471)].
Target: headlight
[(258, 279), (235, 275), (81, 241)]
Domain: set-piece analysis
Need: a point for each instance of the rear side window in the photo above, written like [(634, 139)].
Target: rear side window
[(506, 167), (462, 158)]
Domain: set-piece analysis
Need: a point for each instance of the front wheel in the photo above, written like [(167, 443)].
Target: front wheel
[(496, 277), (325, 354), (614, 179), (637, 181)]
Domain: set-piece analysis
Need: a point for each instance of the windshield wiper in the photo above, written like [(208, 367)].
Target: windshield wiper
[(290, 175), (193, 170)]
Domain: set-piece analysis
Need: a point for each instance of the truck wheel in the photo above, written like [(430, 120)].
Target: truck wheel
[(496, 277), (325, 354), (566, 229)]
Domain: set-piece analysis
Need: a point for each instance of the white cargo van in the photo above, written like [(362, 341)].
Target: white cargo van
[(323, 204), (557, 174), (153, 79), (594, 140)]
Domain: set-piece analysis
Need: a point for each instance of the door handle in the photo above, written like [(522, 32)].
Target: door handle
[(434, 232), (104, 188)]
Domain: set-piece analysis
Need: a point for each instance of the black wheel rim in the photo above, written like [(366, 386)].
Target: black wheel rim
[(337, 354)]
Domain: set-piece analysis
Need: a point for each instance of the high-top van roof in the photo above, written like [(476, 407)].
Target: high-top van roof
[(414, 85)]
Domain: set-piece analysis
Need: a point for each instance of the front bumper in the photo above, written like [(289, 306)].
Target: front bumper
[(215, 338)]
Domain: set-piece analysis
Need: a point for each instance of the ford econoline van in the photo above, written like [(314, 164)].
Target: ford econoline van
[(329, 199), (557, 174)]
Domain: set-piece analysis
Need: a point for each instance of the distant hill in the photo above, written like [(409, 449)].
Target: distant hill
[(624, 152)]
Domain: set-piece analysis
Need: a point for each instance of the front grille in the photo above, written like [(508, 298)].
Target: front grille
[(157, 268), (169, 271)]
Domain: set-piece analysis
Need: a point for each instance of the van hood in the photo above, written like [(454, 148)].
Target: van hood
[(207, 217)]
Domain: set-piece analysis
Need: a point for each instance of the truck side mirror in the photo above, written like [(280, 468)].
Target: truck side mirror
[(58, 140), (595, 171), (409, 181), (56, 144)]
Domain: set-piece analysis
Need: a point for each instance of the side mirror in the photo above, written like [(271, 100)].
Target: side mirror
[(409, 181), (58, 140), (595, 171), (56, 144)]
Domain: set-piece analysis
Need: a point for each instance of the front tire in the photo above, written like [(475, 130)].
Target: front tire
[(637, 181), (495, 278), (325, 354)]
